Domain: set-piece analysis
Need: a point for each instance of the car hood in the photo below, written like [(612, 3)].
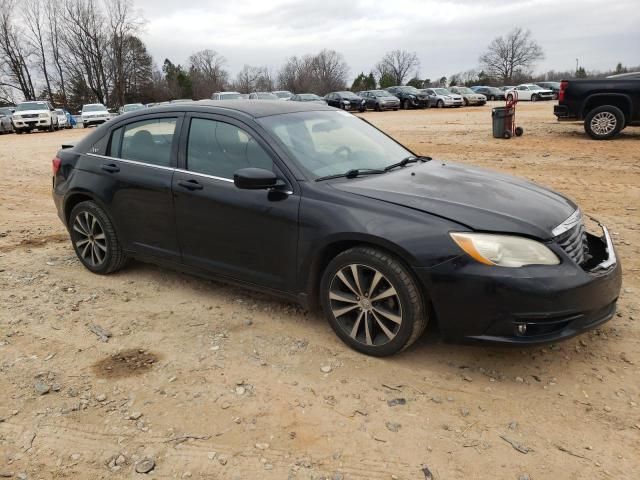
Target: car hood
[(480, 199), (31, 112)]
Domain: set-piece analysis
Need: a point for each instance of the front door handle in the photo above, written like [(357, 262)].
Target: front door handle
[(190, 184), (110, 167)]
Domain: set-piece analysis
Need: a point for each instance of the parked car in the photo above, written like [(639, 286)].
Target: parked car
[(380, 100), (320, 207), (34, 115), (441, 97), (410, 97), (308, 97), (6, 125), (345, 100), (283, 94), (63, 121), (553, 86), (131, 107), (530, 92), (606, 106), (263, 96), (492, 93), (94, 114), (226, 96), (469, 97)]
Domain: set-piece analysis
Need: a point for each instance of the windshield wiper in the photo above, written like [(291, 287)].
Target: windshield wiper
[(406, 161), (353, 173)]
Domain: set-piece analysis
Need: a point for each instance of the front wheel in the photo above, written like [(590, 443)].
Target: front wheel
[(466, 102), (492, 98), (534, 98), (440, 104), (405, 105), (94, 239), (604, 123), (372, 301)]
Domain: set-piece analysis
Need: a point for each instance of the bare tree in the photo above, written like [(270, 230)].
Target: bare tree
[(515, 53), (397, 64), (14, 56), (253, 79), (296, 74), (53, 25), (321, 73), (34, 17), (122, 24), (207, 72)]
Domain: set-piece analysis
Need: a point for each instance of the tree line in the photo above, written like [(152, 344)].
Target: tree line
[(73, 52)]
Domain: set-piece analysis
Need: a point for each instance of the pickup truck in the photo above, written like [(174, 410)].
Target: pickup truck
[(605, 105)]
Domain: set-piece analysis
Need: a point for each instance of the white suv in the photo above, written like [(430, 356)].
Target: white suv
[(34, 114), (94, 114)]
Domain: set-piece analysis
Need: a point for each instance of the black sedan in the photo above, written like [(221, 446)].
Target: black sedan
[(346, 101), (492, 93), (320, 207), (380, 100)]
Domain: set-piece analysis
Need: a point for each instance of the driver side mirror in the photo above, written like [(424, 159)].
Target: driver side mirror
[(256, 179)]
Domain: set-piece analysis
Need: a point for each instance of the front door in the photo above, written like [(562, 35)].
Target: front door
[(248, 235)]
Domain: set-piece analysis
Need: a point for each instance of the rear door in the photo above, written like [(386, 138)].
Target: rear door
[(248, 235), (133, 178)]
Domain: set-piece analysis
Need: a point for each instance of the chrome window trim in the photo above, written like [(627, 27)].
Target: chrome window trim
[(133, 162), (191, 172), (568, 224)]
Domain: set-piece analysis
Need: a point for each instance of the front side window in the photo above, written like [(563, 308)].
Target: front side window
[(147, 141), (220, 149)]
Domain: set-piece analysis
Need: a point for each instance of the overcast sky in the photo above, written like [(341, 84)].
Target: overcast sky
[(448, 36)]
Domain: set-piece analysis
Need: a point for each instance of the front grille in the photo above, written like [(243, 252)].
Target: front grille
[(30, 115), (574, 243)]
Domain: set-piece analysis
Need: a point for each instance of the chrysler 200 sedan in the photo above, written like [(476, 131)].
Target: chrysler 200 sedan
[(318, 206)]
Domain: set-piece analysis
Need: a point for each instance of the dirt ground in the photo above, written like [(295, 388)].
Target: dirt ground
[(208, 381)]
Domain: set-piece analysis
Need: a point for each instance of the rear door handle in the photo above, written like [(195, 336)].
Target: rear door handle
[(110, 167), (190, 184)]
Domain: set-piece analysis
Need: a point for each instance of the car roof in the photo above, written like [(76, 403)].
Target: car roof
[(264, 108)]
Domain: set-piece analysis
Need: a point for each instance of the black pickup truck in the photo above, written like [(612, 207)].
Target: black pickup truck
[(605, 105)]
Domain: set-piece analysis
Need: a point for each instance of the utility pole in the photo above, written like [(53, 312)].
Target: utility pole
[(576, 64)]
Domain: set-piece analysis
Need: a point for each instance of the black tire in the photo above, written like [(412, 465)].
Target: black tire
[(492, 98), (405, 105), (519, 131), (440, 104), (407, 296), (395, 109), (507, 134), (114, 257), (466, 102), (615, 125), (377, 108), (510, 97), (534, 98)]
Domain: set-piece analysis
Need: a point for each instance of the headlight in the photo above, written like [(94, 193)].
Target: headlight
[(504, 250), (17, 117), (345, 101), (44, 115)]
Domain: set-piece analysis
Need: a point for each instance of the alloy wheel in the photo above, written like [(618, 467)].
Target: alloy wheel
[(365, 304), (89, 239), (603, 123)]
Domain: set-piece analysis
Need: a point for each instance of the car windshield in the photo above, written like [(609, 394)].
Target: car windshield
[(94, 108), (230, 96), (347, 95), (331, 143), (534, 87), (132, 107), (413, 90), (282, 94), (266, 96), (380, 93), (32, 106), (464, 90), (442, 91), (59, 111), (309, 96)]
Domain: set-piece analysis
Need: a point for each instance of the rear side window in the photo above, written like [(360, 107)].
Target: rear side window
[(219, 149), (147, 141)]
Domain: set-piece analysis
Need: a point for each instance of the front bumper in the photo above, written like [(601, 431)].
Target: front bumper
[(389, 105), (31, 123), (94, 120), (528, 305)]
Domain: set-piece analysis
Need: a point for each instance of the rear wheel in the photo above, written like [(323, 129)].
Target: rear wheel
[(605, 122), (507, 134), (94, 239), (440, 104), (372, 301), (519, 131), (492, 97), (405, 104)]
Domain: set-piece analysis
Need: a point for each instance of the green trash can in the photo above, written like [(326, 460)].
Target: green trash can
[(502, 121)]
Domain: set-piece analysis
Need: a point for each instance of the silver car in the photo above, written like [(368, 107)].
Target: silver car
[(441, 97), (469, 96), (6, 126)]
